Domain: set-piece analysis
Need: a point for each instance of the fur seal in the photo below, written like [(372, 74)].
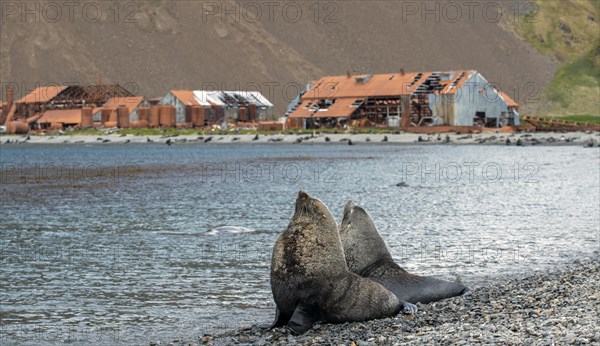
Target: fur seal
[(367, 255), (310, 280)]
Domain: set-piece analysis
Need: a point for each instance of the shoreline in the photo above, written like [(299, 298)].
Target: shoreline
[(554, 306), (522, 139)]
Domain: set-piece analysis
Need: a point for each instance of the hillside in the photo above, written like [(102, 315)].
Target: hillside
[(181, 44), (568, 30)]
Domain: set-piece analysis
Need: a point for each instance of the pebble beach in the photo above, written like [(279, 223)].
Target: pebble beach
[(559, 307), (555, 307), (587, 138)]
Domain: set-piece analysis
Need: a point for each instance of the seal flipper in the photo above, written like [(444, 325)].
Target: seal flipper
[(426, 289), (409, 308), (280, 321), (303, 318)]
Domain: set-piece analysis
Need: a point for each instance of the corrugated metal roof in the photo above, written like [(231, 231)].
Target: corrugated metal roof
[(224, 98), (207, 98), (65, 116), (341, 108), (460, 77), (186, 97), (42, 94), (131, 102), (510, 102), (303, 111), (254, 97), (380, 85)]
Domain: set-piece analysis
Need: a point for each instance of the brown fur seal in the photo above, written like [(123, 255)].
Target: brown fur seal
[(367, 255), (310, 280)]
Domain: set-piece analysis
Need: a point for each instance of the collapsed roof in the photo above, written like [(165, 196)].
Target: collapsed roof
[(231, 98)]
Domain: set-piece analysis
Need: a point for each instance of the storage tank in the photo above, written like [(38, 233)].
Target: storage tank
[(105, 116), (155, 116), (144, 114), (167, 116), (87, 119), (123, 117)]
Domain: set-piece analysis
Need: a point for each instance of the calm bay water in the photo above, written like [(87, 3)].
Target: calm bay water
[(121, 244)]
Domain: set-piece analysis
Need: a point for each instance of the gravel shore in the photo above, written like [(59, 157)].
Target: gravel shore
[(554, 308), (522, 139)]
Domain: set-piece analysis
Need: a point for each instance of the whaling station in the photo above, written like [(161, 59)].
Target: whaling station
[(417, 102)]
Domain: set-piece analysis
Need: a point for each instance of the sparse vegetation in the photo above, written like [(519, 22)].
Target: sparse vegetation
[(193, 132), (591, 119), (85, 132), (576, 87), (568, 30), (159, 132)]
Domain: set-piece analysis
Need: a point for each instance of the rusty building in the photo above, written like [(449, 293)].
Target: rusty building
[(133, 104), (243, 106), (185, 102), (46, 98), (220, 106), (59, 104), (450, 98)]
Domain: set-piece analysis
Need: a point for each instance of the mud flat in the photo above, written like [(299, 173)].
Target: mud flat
[(525, 139)]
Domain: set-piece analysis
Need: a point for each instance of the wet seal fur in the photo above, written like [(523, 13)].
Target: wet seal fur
[(310, 280), (367, 255)]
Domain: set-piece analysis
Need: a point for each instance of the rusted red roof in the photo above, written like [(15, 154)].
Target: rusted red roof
[(132, 103), (456, 82), (42, 94), (380, 85), (303, 111), (345, 90), (341, 108), (332, 87), (65, 116), (510, 102), (186, 97)]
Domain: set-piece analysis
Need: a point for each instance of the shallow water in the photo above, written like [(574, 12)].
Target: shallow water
[(119, 244)]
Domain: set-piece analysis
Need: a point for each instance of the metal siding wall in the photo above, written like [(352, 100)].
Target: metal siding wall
[(231, 113), (470, 101), (171, 100), (167, 100), (262, 113), (134, 115), (265, 113), (435, 103), (466, 104), (449, 116), (179, 112), (442, 106)]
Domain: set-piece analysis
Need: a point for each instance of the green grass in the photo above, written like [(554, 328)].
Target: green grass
[(563, 29), (193, 132), (159, 132), (591, 119), (85, 132), (582, 119), (576, 87)]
